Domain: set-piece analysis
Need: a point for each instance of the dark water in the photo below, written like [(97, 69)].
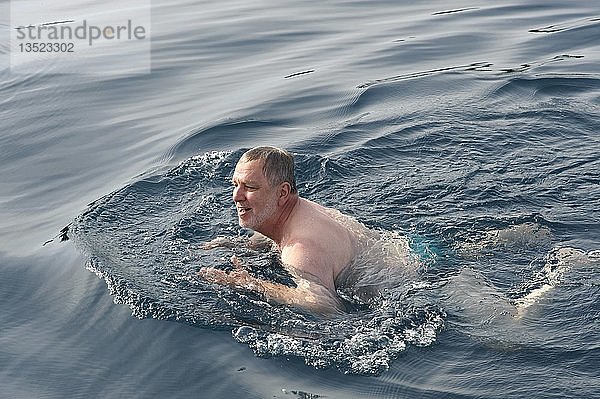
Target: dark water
[(469, 127)]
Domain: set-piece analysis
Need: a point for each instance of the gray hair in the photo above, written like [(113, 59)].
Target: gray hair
[(278, 166)]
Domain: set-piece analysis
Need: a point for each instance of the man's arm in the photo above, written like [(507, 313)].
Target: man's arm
[(308, 293), (309, 258)]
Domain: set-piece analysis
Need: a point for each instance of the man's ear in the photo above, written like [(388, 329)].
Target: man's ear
[(284, 190)]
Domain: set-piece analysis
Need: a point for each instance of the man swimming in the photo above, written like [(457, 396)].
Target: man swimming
[(316, 243)]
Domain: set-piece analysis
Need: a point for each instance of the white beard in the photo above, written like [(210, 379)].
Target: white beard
[(258, 219)]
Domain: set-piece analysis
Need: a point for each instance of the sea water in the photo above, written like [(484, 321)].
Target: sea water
[(467, 129)]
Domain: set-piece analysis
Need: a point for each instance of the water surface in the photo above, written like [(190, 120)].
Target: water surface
[(467, 126)]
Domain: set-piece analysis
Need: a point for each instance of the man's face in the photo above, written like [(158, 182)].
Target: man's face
[(255, 199)]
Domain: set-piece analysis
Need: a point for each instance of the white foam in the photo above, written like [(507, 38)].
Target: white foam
[(558, 262)]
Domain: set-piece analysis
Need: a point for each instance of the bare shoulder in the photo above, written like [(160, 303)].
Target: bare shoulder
[(313, 207), (306, 256), (301, 253), (336, 217), (312, 217)]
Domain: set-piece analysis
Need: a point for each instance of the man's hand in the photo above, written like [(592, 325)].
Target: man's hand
[(309, 294), (239, 277)]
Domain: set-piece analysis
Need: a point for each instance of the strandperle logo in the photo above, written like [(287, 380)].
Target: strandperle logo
[(65, 31), (82, 37)]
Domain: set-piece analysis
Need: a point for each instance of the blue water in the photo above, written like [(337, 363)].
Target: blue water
[(468, 126)]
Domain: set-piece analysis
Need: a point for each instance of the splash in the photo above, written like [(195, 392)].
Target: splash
[(145, 240), (558, 263), (523, 235)]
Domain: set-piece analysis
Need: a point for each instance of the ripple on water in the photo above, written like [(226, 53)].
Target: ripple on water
[(145, 239)]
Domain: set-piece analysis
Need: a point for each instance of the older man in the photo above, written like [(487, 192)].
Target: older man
[(316, 243)]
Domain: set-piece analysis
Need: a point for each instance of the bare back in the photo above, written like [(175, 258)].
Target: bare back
[(319, 242)]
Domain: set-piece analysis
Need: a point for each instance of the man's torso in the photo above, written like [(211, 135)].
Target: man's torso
[(329, 236)]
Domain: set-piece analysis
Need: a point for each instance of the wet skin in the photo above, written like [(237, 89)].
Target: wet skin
[(314, 246)]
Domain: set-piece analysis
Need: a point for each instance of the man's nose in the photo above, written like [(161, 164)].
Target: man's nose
[(238, 194)]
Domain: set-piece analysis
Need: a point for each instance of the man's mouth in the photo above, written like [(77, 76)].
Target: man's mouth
[(242, 210)]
